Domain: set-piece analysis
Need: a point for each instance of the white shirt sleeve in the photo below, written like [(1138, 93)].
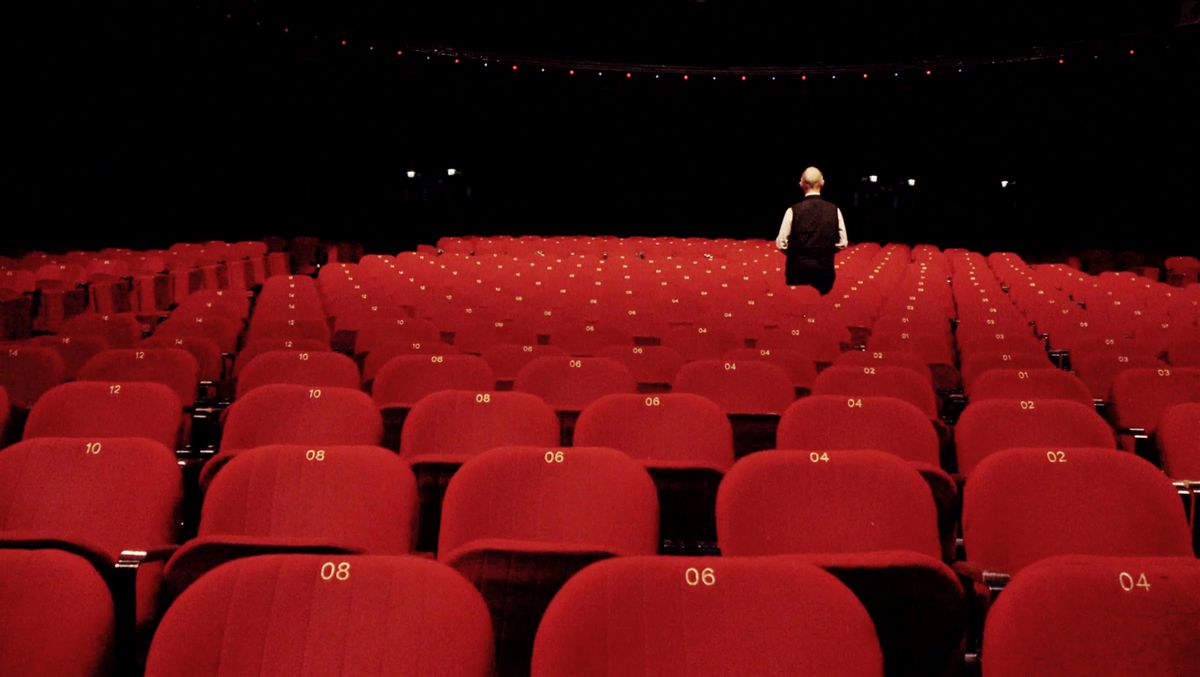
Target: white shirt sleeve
[(785, 230), (842, 239)]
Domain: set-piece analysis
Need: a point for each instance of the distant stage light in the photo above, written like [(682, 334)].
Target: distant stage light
[(874, 178), (451, 172), (410, 174), (1004, 183), (912, 182)]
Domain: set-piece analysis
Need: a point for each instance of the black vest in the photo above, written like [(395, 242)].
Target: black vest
[(814, 230)]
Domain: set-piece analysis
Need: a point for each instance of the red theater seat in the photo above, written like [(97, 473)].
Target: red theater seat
[(101, 495), (990, 426), (1140, 397), (1023, 505), (91, 409), (281, 498), (752, 394), (449, 427), (318, 368), (1097, 616), (654, 367), (75, 350), (868, 517), (693, 616), (878, 381), (172, 367), (569, 384), (27, 372), (1179, 441), (293, 414), (506, 360), (325, 615), (520, 521), (1029, 384), (685, 441), (209, 361), (120, 330), (253, 349), (824, 422), (38, 590)]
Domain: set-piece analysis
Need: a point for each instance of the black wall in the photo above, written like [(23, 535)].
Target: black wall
[(142, 125)]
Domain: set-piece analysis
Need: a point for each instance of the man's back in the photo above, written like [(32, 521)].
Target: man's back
[(814, 229)]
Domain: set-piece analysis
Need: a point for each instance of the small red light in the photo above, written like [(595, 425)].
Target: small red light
[(399, 52), (928, 72), (628, 75), (343, 43), (864, 76), (571, 72), (1131, 52), (456, 61), (1061, 62), (228, 15), (803, 77), (285, 29), (514, 66), (743, 78), (685, 77)]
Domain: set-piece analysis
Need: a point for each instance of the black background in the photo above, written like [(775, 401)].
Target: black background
[(142, 124)]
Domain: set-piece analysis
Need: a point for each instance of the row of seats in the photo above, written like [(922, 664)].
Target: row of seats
[(520, 522)]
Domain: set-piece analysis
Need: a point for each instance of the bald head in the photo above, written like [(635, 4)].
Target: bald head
[(812, 180)]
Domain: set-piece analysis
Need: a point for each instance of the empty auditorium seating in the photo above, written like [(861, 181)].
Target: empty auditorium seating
[(588, 339), (694, 616), (210, 363), (977, 364), (798, 365), (446, 428), (296, 498), (255, 348), (318, 368), (1023, 505), (326, 614), (1097, 616), (90, 409), (878, 381), (988, 426), (1099, 372), (507, 359), (287, 414), (39, 589), (891, 358), (686, 442), (384, 353), (702, 342), (520, 521), (100, 496), (172, 367), (374, 333), (1179, 441), (869, 517), (1029, 384)]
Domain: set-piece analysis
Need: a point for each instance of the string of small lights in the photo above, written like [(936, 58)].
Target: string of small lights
[(521, 64)]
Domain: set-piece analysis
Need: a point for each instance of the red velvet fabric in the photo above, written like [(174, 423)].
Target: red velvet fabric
[(318, 368), (878, 381), (825, 422), (172, 367), (992, 425), (675, 430), (452, 425), (287, 414), (405, 379), (748, 386), (572, 383), (90, 409)]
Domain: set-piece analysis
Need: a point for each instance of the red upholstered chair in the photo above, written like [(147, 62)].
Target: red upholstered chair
[(405, 379), (588, 339), (689, 616), (684, 440), (1024, 505), (98, 409), (41, 588), (822, 346), (993, 425), (879, 358), (978, 364), (870, 518), (292, 414), (318, 368), (654, 367), (797, 364), (507, 359), (823, 422), (384, 353), (281, 498), (1029, 384), (211, 325), (1097, 616), (569, 384), (172, 367), (878, 381), (447, 428), (1140, 397), (210, 362), (326, 614), (520, 521), (1099, 372), (253, 349), (1179, 441), (27, 372), (120, 330), (99, 496), (375, 333), (702, 342), (752, 394), (75, 350)]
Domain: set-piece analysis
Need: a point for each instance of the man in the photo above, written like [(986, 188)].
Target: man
[(812, 231)]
